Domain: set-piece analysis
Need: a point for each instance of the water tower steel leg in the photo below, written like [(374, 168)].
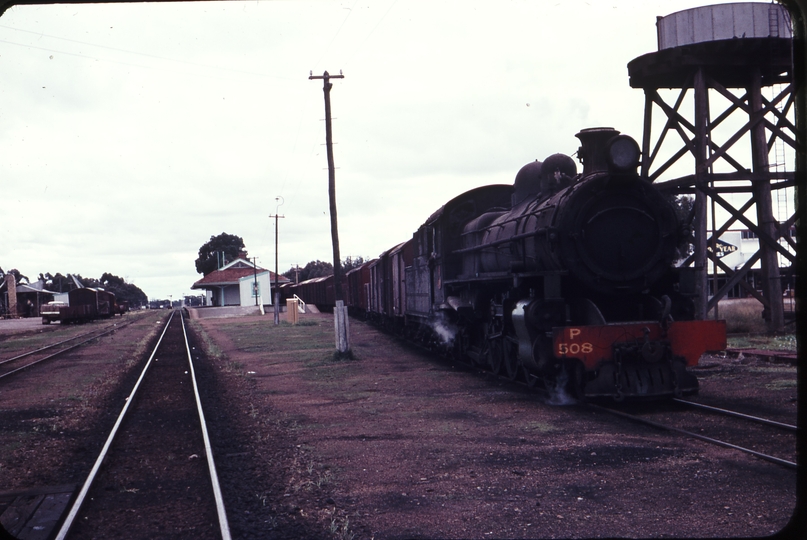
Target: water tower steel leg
[(648, 124), (701, 176), (771, 280)]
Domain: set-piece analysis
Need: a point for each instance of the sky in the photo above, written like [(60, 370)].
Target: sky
[(132, 133)]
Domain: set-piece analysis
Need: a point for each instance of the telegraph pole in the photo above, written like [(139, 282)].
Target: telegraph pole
[(277, 276), (340, 319), (255, 283)]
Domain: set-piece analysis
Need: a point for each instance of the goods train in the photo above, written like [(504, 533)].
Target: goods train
[(84, 305), (563, 279)]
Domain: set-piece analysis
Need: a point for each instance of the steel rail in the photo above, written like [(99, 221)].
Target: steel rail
[(224, 525), (71, 516), (727, 412), (772, 459), (57, 353), (46, 347)]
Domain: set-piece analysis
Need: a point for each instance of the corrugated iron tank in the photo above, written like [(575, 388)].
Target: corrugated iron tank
[(745, 20)]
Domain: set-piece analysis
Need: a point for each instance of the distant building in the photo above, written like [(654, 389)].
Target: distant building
[(22, 299), (235, 285)]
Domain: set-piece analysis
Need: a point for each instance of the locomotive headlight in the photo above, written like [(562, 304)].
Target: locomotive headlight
[(623, 153)]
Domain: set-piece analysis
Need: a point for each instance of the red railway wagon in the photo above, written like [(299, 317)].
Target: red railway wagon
[(357, 294), (87, 304), (400, 257), (318, 291)]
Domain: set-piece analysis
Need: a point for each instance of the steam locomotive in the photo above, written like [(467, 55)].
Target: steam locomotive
[(562, 279)]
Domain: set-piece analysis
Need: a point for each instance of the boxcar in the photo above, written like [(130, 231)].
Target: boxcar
[(357, 295), (87, 304)]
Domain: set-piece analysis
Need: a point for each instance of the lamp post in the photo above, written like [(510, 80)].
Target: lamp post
[(255, 274), (277, 294)]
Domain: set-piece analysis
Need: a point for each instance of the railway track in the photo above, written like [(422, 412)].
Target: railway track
[(155, 473), (676, 414), (766, 439), (19, 362)]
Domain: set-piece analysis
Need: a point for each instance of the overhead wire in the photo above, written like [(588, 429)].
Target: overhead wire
[(115, 49), (361, 45), (338, 30)]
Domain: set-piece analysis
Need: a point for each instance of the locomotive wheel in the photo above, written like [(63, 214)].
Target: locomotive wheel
[(531, 379), (496, 356), (511, 366)]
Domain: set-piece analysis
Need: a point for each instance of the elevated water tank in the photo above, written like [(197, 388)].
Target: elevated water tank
[(724, 21), (730, 41)]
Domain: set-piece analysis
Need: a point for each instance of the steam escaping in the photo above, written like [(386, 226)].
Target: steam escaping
[(443, 329), (558, 395)]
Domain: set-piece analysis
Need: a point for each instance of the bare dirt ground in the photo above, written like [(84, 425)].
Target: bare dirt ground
[(398, 444), (53, 416)]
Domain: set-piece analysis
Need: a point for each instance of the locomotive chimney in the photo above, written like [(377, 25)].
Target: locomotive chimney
[(592, 152)]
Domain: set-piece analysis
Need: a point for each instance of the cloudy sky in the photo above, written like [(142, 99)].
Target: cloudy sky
[(133, 133)]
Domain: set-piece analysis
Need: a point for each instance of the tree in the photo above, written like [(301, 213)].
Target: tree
[(89, 282), (352, 262), (128, 292), (229, 245), (311, 270), (684, 206), (18, 277), (57, 282)]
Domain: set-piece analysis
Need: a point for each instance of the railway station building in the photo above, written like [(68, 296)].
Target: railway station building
[(237, 284)]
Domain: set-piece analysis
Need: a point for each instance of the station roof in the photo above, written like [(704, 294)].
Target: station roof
[(234, 272)]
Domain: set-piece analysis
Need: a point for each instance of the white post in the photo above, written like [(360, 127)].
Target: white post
[(340, 321)]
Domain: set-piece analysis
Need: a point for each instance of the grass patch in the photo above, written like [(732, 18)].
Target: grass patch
[(264, 336), (211, 350), (781, 370), (339, 356), (782, 384), (23, 342), (742, 315), (540, 427), (786, 342)]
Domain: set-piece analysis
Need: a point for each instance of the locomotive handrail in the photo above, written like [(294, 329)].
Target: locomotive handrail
[(503, 241)]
